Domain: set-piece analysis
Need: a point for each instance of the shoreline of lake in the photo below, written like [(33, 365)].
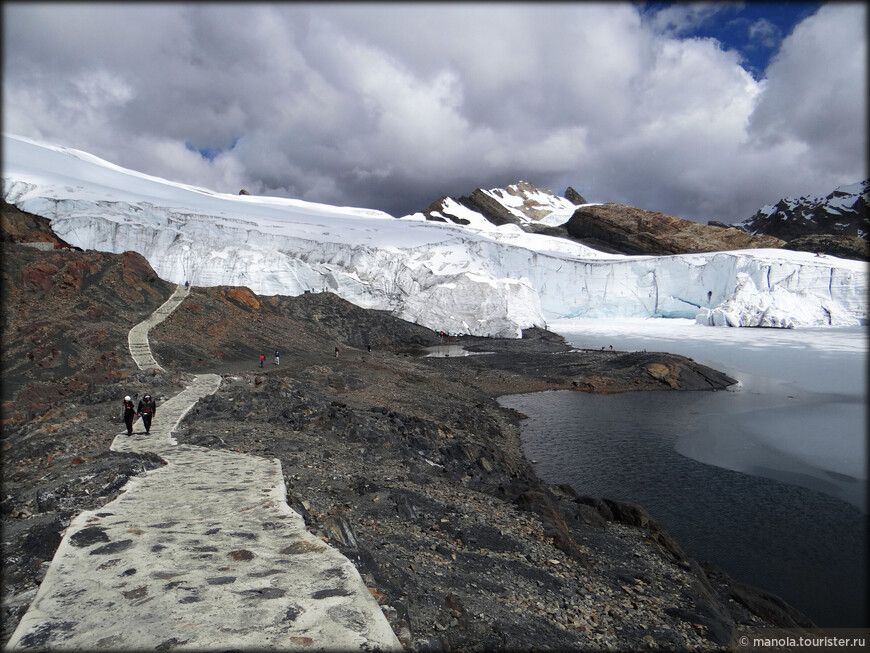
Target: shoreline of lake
[(712, 436)]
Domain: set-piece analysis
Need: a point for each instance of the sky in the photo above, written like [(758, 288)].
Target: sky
[(705, 111)]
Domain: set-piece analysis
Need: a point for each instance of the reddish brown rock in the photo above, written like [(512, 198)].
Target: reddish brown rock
[(38, 276), (137, 269), (630, 230), (243, 296)]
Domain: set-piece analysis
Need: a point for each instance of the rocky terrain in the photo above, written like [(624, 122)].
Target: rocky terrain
[(527, 203), (406, 463), (843, 212), (837, 224), (851, 247), (65, 365), (630, 230)]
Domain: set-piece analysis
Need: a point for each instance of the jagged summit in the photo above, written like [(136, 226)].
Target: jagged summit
[(843, 212), (574, 196), (834, 225), (521, 204)]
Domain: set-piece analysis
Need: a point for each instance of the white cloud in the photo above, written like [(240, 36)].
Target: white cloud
[(392, 106), (684, 17), (765, 32), (815, 99)]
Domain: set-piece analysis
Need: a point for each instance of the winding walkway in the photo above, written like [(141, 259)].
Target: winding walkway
[(203, 553), (137, 339)]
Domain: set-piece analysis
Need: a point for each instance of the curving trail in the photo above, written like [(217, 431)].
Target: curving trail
[(137, 339), (203, 553)]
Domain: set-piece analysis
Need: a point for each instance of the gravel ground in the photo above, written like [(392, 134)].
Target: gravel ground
[(407, 464), (428, 492)]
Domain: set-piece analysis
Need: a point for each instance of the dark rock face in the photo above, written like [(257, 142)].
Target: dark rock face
[(630, 230), (21, 227), (850, 247), (574, 196), (438, 207), (844, 212), (489, 207)]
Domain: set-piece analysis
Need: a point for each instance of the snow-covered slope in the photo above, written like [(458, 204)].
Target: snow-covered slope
[(478, 279), (529, 204), (522, 204)]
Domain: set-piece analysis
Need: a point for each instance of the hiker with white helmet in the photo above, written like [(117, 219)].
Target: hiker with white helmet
[(147, 409), (129, 414)]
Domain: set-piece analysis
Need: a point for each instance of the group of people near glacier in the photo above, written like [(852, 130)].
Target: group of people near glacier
[(146, 410)]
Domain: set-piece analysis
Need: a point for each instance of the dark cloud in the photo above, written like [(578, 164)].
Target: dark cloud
[(391, 106)]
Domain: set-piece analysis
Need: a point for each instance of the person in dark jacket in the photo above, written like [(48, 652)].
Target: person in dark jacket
[(147, 409), (129, 414)]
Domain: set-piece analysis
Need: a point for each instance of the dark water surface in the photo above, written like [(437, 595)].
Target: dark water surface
[(788, 538)]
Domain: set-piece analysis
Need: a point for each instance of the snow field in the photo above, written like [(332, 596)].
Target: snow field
[(479, 279)]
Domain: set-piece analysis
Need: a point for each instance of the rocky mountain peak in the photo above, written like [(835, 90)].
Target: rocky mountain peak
[(843, 212), (521, 204), (574, 196)]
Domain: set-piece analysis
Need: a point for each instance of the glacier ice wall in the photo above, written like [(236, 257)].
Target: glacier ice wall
[(478, 286), (442, 276), (774, 307)]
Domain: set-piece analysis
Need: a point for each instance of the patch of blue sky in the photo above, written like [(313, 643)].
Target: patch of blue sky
[(754, 29), (210, 152)]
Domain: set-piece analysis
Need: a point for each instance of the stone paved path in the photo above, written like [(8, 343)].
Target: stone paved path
[(137, 339), (203, 553)]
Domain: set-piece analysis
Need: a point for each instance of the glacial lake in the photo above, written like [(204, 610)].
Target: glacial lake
[(767, 482)]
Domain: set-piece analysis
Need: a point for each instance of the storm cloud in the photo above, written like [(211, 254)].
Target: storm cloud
[(391, 106)]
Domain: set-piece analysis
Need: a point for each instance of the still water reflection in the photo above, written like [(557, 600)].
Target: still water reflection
[(768, 482), (802, 544)]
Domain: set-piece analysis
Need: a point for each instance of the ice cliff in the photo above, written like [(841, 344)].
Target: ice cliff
[(478, 279)]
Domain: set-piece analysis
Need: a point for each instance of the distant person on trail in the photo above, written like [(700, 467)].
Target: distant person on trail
[(147, 409), (336, 352), (262, 359), (129, 414), (187, 284), (277, 357)]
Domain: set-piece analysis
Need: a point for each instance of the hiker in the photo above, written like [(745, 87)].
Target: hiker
[(277, 358), (187, 284), (336, 352), (262, 359), (129, 414), (147, 409)]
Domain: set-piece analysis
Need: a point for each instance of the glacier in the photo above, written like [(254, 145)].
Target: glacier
[(477, 279)]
